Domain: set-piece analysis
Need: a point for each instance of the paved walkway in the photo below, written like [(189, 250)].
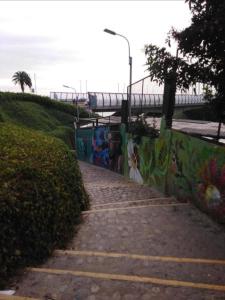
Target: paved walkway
[(134, 244)]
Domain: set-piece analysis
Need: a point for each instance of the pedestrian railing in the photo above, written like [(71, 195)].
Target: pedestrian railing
[(114, 100)]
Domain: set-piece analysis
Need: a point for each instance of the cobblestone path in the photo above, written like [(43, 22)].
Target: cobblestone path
[(133, 244)]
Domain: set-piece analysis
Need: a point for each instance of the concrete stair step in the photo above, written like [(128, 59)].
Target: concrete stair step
[(136, 203), (163, 267)]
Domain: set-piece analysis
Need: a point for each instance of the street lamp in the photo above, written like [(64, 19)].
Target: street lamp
[(130, 73), (70, 87)]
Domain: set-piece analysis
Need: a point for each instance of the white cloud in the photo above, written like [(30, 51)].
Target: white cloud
[(63, 41)]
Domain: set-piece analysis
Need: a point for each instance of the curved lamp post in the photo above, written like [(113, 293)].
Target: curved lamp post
[(130, 72), (70, 87)]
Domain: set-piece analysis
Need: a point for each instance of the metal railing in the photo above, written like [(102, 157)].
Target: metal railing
[(114, 100), (68, 97), (142, 98)]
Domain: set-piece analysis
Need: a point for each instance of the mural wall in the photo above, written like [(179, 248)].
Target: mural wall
[(197, 173), (175, 163), (148, 160), (102, 146), (84, 139), (181, 165)]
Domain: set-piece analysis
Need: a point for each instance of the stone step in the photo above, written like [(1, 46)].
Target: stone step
[(133, 207), (112, 193), (59, 284), (175, 268), (153, 230), (133, 203)]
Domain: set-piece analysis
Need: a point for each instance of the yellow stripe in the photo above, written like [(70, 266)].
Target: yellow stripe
[(5, 297), (135, 201), (106, 185), (131, 207), (131, 278), (141, 257)]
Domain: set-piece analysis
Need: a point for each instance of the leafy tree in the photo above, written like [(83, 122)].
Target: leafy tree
[(22, 78), (202, 48), (204, 41), (140, 128), (170, 70), (161, 65)]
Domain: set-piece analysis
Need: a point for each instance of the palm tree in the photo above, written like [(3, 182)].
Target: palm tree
[(23, 79)]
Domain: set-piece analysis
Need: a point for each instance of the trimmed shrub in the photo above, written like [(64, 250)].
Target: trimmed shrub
[(45, 101), (66, 134), (41, 196), (40, 113)]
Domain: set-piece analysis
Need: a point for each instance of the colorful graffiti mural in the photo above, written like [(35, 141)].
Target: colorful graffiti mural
[(133, 161), (84, 138), (211, 187), (174, 163), (101, 146), (181, 165), (115, 152), (150, 156), (197, 173)]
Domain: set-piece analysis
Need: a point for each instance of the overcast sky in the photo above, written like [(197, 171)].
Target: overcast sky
[(62, 42)]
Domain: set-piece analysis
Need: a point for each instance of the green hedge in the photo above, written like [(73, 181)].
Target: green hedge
[(40, 113), (32, 115), (66, 134), (45, 101), (41, 196)]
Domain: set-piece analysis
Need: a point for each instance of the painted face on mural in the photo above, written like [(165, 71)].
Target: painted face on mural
[(212, 196), (212, 186)]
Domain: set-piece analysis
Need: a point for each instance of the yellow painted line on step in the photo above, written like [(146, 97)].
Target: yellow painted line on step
[(5, 297), (131, 207), (106, 184), (135, 201), (131, 278), (141, 257)]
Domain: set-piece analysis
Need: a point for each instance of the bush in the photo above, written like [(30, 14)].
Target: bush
[(140, 128), (41, 196), (45, 101), (66, 134), (40, 113)]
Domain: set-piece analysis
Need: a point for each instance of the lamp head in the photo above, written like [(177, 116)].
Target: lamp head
[(109, 31)]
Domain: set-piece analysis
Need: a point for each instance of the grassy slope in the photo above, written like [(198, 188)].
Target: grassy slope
[(33, 114)]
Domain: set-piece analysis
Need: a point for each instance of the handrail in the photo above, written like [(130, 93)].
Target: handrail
[(112, 100)]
